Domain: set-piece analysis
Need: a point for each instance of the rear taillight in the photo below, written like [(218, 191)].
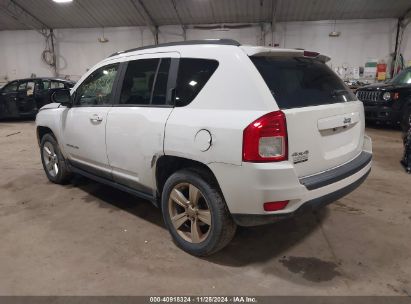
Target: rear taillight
[(265, 139)]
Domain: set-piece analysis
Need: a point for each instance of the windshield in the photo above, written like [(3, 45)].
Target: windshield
[(301, 82), (402, 78)]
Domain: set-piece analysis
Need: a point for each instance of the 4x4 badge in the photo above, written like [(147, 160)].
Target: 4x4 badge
[(300, 157)]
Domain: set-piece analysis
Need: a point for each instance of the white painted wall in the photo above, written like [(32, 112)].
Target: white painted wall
[(360, 40), (78, 49)]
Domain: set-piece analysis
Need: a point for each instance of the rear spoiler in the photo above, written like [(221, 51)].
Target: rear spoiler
[(262, 51)]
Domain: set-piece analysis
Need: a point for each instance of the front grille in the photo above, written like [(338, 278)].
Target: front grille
[(369, 95)]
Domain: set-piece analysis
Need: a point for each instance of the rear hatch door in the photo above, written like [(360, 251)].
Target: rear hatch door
[(325, 121)]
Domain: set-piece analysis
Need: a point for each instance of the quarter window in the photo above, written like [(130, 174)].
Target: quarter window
[(97, 89), (193, 74)]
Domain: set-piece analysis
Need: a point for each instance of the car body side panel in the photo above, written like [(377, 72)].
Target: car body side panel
[(50, 116), (234, 97)]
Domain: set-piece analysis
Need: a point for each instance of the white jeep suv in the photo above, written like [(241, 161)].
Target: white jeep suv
[(214, 133)]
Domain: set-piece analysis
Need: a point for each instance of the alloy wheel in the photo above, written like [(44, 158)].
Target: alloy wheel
[(50, 159), (189, 213)]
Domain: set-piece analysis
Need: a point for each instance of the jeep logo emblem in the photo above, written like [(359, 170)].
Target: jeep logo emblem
[(347, 120)]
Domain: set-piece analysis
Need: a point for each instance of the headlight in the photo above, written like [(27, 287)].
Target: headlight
[(386, 96)]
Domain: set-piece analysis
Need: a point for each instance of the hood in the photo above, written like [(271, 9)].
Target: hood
[(384, 87), (53, 105)]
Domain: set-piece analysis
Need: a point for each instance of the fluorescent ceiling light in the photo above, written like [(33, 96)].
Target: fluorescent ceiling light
[(62, 1)]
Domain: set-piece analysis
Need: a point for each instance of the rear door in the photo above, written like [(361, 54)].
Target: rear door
[(325, 121), (25, 102), (41, 93), (135, 124)]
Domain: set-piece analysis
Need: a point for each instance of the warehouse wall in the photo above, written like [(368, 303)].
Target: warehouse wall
[(79, 49), (360, 40)]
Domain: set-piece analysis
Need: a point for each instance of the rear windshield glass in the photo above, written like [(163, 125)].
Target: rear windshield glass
[(301, 82)]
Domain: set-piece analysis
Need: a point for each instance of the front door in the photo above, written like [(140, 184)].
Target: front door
[(84, 124)]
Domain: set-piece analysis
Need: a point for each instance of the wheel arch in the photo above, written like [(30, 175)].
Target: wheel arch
[(166, 165), (41, 131)]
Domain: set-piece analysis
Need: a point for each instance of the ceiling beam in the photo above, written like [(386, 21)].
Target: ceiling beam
[(274, 4), (24, 17), (406, 18), (180, 21), (149, 21), (91, 16)]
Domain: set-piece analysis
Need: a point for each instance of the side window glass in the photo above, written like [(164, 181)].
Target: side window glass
[(22, 86), (160, 86), (11, 87), (193, 74), (138, 82), (57, 85), (46, 84), (39, 85), (97, 89)]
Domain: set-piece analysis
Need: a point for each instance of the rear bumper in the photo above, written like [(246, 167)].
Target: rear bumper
[(314, 204), (246, 188), (382, 113)]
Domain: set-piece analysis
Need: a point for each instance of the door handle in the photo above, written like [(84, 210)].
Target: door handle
[(96, 118)]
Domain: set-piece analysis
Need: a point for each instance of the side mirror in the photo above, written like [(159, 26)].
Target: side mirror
[(62, 97)]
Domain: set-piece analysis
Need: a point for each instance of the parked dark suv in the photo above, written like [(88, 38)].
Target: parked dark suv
[(23, 97), (389, 102)]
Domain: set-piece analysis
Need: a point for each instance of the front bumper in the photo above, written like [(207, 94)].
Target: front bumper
[(246, 188), (382, 113)]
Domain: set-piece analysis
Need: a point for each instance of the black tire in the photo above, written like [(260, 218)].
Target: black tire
[(406, 119), (63, 174), (222, 228)]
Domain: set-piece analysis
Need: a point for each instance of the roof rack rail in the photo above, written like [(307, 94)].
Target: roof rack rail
[(188, 42)]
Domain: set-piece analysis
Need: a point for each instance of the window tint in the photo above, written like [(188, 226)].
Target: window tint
[(11, 87), (97, 89), (301, 82), (42, 84), (138, 82), (193, 74), (160, 86)]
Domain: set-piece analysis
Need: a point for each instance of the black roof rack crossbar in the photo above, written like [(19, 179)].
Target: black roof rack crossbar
[(188, 42)]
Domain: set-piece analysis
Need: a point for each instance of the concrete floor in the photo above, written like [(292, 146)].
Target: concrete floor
[(88, 239)]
